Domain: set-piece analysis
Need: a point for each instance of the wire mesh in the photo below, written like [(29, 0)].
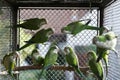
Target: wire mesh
[(5, 35), (56, 19)]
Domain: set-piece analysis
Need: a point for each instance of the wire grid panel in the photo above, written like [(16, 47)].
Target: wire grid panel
[(5, 34), (56, 19), (111, 20)]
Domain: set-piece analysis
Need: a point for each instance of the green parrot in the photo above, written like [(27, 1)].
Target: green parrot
[(72, 61), (40, 37), (37, 59), (50, 58), (76, 27), (9, 63), (103, 54), (106, 41), (33, 23), (96, 68)]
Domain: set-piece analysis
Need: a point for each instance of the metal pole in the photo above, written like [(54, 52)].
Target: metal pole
[(14, 28), (101, 19), (14, 10)]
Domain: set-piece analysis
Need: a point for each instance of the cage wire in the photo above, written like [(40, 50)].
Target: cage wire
[(5, 35), (56, 19)]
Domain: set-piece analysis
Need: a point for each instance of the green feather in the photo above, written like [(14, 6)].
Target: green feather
[(50, 58), (76, 27), (103, 54), (96, 67), (40, 37), (102, 38), (110, 35), (33, 23), (72, 60), (37, 59), (9, 63)]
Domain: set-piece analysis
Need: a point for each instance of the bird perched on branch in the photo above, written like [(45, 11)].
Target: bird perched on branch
[(9, 62), (50, 58), (105, 43), (95, 67), (32, 23), (72, 61)]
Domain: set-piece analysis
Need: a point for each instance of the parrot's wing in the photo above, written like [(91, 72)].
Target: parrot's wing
[(96, 67), (116, 52), (76, 27), (72, 60), (50, 58), (33, 23), (9, 63), (105, 58), (79, 73)]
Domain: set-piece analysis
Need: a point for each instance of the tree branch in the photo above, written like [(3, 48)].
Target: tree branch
[(83, 69)]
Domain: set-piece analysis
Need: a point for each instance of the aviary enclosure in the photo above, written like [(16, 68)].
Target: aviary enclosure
[(58, 14)]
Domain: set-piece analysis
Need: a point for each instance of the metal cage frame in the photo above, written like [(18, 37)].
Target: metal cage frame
[(54, 4)]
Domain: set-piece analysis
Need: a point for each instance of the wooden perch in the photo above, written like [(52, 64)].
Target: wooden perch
[(22, 68), (83, 69)]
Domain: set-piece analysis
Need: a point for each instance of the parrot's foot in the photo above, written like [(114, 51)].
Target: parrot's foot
[(56, 63)]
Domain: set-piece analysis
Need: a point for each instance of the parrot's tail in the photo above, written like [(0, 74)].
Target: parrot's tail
[(11, 74), (41, 73), (26, 45), (106, 66), (116, 52), (91, 27), (80, 74)]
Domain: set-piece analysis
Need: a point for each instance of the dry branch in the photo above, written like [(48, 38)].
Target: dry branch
[(83, 69)]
